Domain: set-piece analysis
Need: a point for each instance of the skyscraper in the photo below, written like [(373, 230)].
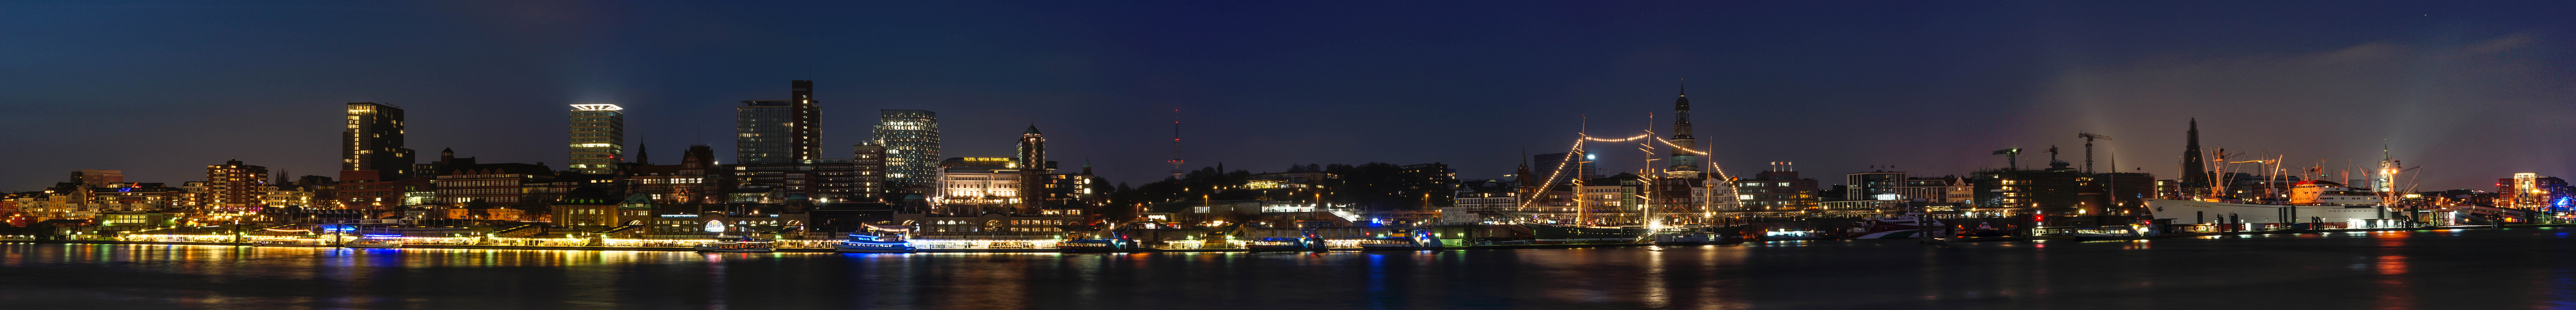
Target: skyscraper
[(779, 131), (911, 139), (598, 137), (374, 141), (2195, 178), (1033, 170), (1683, 156)]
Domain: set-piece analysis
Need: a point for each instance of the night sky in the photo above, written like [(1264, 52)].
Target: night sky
[(2470, 92)]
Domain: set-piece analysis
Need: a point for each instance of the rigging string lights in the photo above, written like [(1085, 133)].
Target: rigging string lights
[(1578, 149), (1551, 176)]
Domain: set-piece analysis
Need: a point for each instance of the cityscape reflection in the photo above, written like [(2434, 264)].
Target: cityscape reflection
[(2389, 270)]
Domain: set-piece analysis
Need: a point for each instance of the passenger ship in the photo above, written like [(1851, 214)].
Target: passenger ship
[(877, 239)]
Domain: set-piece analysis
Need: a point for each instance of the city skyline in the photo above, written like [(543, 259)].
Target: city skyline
[(2468, 99)]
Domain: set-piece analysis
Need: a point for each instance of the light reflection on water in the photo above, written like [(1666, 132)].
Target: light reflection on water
[(2513, 268)]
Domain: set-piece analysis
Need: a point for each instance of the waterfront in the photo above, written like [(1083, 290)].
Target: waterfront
[(2486, 269)]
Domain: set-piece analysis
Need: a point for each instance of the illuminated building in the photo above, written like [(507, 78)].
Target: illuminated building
[(972, 185), (598, 138), (868, 169), (1288, 180), (504, 184), (2060, 190), (234, 187), (374, 141), (1431, 185), (815, 180), (1069, 193), (1033, 168), (1948, 189), (2530, 191), (1778, 189), (586, 208), (139, 196), (779, 131), (1475, 199), (1872, 185), (911, 140), (287, 196), (686, 183), (97, 178)]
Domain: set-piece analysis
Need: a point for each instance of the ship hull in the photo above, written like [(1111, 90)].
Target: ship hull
[(1556, 234), (2203, 212)]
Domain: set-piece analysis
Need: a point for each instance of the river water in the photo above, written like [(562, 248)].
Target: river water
[(2458, 269)]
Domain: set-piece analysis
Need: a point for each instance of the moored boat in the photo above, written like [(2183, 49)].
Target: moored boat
[(875, 240), (2112, 233), (1403, 240), (1307, 241), (740, 244), (373, 241), (288, 242), (1899, 227), (1562, 233), (1985, 232), (1114, 243)]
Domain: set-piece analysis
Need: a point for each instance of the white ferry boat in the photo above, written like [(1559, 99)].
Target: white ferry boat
[(876, 240)]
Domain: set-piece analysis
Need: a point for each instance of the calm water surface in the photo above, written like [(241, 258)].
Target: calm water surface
[(2471, 269)]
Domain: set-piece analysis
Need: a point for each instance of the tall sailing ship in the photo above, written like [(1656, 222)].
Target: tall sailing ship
[(1685, 161)]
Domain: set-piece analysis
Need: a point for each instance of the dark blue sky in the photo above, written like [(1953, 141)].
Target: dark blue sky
[(2472, 92)]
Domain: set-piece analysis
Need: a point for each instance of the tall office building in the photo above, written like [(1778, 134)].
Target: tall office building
[(911, 139), (868, 161), (374, 141), (235, 187), (1033, 170), (598, 137), (779, 131)]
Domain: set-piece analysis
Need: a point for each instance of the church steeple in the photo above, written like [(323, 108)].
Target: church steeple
[(1683, 157), (2195, 177)]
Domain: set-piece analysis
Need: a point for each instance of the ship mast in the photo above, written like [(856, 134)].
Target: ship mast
[(1582, 213)]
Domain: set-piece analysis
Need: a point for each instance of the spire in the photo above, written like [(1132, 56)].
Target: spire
[(2194, 168), (1683, 144), (1033, 129)]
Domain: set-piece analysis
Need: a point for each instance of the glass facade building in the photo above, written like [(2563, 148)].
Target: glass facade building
[(374, 140), (779, 131), (760, 132), (598, 138), (911, 140)]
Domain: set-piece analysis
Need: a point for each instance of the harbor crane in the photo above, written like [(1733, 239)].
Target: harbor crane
[(2012, 158), (2088, 148)]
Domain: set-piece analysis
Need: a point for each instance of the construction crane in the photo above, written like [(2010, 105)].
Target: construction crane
[(2088, 148), (2012, 158)]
